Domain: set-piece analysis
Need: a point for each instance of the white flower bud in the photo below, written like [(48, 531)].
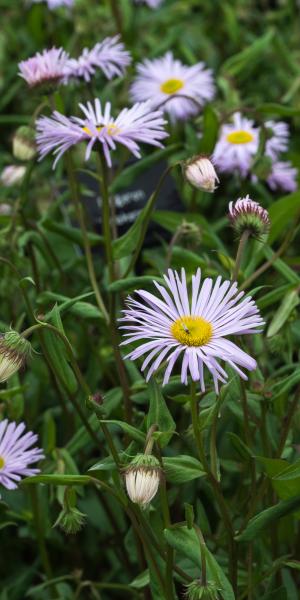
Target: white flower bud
[(14, 350), (142, 479), (12, 175), (200, 173), (245, 214), (24, 147)]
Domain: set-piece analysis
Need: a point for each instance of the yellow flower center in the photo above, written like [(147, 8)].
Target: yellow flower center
[(192, 331), (2, 462), (240, 137), (111, 129), (171, 86)]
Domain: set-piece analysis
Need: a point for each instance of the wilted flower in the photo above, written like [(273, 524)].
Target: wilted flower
[(247, 215), (110, 56), (142, 478), (14, 349), (46, 69), (24, 147), (198, 591), (172, 86), (12, 175), (237, 145), (137, 124), (16, 453), (70, 519), (196, 330), (200, 172), (283, 176)]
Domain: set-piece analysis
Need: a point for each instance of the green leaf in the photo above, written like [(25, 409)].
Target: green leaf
[(129, 175), (71, 233), (132, 283), (279, 110), (186, 543), (281, 214), (244, 62), (264, 519), (57, 479), (134, 433), (290, 472), (243, 451), (171, 221), (289, 302), (183, 468), (210, 130), (159, 413), (141, 580), (278, 594)]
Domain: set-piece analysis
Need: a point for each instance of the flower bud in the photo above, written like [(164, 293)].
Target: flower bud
[(200, 173), (24, 147), (14, 350), (12, 175), (70, 519), (197, 591), (245, 214), (142, 479)]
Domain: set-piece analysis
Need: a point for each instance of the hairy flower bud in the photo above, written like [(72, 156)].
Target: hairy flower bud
[(245, 214), (142, 479), (70, 519), (12, 175), (200, 173), (14, 350), (197, 591), (24, 147)]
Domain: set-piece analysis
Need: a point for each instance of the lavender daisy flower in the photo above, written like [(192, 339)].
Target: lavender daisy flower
[(17, 453), (237, 145), (110, 56), (177, 88), (150, 3), (53, 4), (279, 140), (136, 124), (46, 68), (283, 176), (195, 331)]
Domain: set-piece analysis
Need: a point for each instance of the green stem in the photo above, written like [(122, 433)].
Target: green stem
[(213, 448), (86, 242), (202, 552), (106, 227), (104, 191), (117, 16), (40, 535), (216, 487), (241, 247)]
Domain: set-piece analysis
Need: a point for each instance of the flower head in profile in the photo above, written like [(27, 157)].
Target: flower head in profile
[(176, 88), (193, 331), (142, 479), (278, 138), (109, 56), (136, 124), (45, 69), (237, 145), (283, 176), (200, 173), (17, 453), (150, 3), (247, 215)]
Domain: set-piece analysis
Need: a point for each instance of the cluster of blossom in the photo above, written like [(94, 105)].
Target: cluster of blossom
[(55, 66), (238, 145)]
